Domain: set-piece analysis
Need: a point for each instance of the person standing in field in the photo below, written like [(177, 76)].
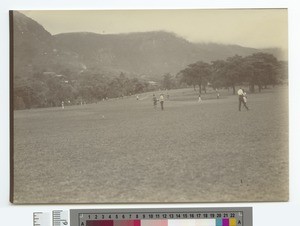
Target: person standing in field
[(240, 93), (199, 98), (161, 100), (245, 97), (218, 93), (154, 101)]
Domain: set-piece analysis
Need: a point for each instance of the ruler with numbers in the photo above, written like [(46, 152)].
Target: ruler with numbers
[(147, 217)]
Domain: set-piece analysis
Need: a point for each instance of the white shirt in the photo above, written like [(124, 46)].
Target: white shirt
[(240, 92)]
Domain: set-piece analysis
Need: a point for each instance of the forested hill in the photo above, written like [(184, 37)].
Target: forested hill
[(34, 50), (30, 42), (88, 67), (148, 54)]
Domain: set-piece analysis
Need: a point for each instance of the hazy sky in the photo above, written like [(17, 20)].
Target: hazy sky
[(258, 28)]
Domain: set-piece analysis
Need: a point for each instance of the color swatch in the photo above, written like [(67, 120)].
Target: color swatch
[(165, 222), (229, 216)]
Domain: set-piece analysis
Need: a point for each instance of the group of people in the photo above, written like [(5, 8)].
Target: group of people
[(241, 94), (161, 100)]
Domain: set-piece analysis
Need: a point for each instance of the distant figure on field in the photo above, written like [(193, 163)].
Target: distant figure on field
[(199, 98), (241, 95), (245, 97), (137, 97), (154, 101), (218, 93), (62, 105), (161, 100)]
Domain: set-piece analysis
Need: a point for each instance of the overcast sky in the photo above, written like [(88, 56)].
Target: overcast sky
[(257, 28)]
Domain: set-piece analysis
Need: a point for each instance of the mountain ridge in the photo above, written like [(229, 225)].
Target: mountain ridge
[(149, 54)]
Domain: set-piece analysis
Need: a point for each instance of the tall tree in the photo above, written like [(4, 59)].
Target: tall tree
[(218, 69), (261, 69), (197, 74), (232, 71), (167, 82), (187, 76)]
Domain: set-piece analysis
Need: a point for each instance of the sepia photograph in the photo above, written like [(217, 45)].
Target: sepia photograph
[(149, 106)]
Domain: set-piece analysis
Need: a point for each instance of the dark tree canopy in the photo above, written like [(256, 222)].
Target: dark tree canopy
[(197, 74), (50, 89), (259, 69)]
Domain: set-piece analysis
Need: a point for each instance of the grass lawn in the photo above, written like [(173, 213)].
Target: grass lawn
[(123, 150)]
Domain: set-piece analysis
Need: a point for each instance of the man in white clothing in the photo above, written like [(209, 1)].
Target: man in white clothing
[(240, 93)]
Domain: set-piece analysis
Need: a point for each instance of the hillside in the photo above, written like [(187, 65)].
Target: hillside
[(34, 50), (30, 42), (149, 53), (144, 54)]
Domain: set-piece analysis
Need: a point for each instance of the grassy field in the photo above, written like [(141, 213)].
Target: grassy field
[(123, 150)]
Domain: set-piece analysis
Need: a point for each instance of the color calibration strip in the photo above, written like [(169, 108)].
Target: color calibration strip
[(177, 222), (161, 217)]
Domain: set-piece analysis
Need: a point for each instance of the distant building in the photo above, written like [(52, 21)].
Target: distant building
[(152, 83), (49, 73)]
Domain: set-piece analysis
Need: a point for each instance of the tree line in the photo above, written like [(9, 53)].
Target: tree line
[(48, 89), (256, 70)]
